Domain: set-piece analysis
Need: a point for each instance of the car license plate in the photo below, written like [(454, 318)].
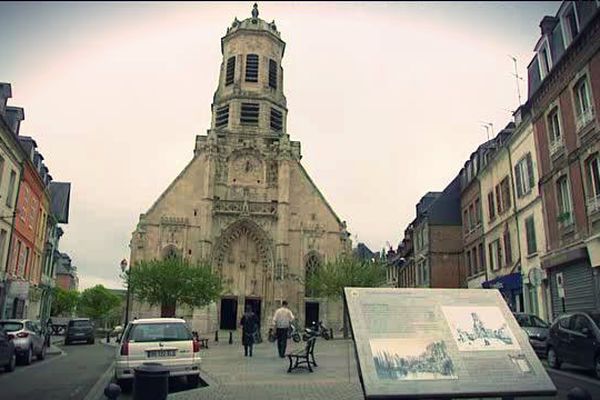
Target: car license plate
[(79, 334), (161, 353)]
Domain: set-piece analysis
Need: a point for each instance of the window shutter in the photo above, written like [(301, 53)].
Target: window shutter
[(230, 72), (519, 180), (252, 68), (530, 170)]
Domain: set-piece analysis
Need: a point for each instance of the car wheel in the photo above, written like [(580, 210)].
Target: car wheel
[(553, 361), (91, 341), (125, 384), (28, 357), (10, 367), (42, 354), (193, 380)]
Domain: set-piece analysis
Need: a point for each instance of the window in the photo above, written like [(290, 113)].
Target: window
[(276, 120), (570, 25), (468, 262), (477, 211), (466, 220), (312, 265), (252, 68), (545, 61), (3, 234), (524, 175), (159, 332), (498, 199), (554, 125), (471, 216), (564, 201), (593, 176), (507, 248), (273, 74), (530, 232), (495, 251), (581, 95), (249, 114), (474, 260), (1, 169), (564, 322), (11, 188), (505, 189), (26, 263), (230, 72), (580, 323), (222, 116), (491, 207), (481, 257)]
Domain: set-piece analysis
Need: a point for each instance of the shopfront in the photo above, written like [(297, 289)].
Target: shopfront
[(511, 288)]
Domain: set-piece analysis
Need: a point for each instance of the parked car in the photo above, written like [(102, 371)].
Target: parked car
[(537, 330), (575, 339), (8, 355), (166, 340), (27, 338), (79, 329)]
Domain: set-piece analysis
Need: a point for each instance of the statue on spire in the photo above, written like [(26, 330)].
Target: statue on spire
[(255, 11)]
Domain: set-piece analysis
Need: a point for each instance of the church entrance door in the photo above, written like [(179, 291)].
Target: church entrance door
[(311, 313), (228, 313)]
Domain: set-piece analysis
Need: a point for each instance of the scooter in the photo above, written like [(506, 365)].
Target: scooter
[(320, 330), (294, 333)]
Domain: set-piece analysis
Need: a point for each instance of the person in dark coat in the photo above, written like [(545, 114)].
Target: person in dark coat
[(249, 325)]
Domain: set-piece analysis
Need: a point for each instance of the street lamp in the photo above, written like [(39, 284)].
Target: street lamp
[(123, 269)]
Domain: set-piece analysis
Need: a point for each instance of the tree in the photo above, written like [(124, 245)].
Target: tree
[(174, 281), (97, 303), (63, 301), (330, 279)]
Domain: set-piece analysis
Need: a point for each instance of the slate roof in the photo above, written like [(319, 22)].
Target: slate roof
[(445, 210), (60, 196)]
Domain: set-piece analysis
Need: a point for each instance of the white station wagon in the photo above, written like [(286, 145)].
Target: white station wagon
[(167, 341)]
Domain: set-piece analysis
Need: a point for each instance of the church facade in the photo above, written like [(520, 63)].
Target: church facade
[(244, 203)]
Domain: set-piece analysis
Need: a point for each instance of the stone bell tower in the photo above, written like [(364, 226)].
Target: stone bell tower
[(244, 203)]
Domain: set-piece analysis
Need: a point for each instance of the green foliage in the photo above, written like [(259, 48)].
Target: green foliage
[(330, 279), (63, 301), (174, 281), (97, 303)]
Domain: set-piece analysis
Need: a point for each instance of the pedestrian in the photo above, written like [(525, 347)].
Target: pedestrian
[(48, 332), (249, 325), (282, 320)]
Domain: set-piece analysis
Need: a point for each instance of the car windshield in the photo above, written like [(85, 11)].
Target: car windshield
[(11, 326), (160, 332), (80, 324)]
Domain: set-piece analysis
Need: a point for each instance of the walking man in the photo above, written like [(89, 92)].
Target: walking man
[(282, 320), (249, 328)]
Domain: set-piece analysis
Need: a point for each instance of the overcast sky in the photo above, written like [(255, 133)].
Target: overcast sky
[(387, 100)]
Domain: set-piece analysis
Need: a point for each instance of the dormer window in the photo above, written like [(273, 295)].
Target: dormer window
[(544, 59), (230, 72), (583, 103), (252, 68), (569, 24)]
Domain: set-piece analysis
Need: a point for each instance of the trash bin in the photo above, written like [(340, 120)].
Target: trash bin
[(150, 382)]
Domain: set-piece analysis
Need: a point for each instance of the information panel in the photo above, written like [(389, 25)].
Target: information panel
[(441, 343)]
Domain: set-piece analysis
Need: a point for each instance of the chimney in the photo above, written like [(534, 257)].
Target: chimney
[(14, 116), (547, 25), (5, 94)]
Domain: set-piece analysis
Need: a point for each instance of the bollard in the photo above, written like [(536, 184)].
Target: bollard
[(150, 382), (217, 336), (230, 337), (108, 337), (112, 391), (578, 393), (331, 333)]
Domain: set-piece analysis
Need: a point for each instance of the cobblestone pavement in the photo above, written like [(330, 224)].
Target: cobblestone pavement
[(230, 375)]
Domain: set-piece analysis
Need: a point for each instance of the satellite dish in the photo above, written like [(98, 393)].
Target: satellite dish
[(535, 277)]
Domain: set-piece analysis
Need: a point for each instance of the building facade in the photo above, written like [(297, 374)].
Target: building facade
[(244, 202), (564, 93), (66, 272), (11, 158)]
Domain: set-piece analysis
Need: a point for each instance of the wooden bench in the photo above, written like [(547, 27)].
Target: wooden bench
[(304, 356)]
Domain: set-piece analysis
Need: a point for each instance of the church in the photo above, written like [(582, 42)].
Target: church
[(245, 203)]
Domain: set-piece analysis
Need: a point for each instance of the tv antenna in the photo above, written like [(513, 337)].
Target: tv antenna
[(517, 78), (488, 126)]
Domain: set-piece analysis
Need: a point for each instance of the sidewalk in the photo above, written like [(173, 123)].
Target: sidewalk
[(230, 375)]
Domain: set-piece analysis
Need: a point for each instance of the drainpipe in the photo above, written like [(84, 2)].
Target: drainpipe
[(516, 214)]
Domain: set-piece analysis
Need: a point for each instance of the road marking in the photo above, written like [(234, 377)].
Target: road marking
[(97, 391)]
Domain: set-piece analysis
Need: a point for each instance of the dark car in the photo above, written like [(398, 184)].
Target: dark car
[(8, 355), (79, 329), (575, 339), (537, 330)]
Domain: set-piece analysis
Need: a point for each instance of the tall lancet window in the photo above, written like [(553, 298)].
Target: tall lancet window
[(312, 265), (252, 68)]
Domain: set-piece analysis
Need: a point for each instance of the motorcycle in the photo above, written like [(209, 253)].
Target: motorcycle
[(294, 333), (320, 330)]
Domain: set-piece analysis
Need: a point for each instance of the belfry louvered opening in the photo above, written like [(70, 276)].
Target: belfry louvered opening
[(273, 74), (276, 120), (249, 114), (252, 68), (222, 117), (230, 73)]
